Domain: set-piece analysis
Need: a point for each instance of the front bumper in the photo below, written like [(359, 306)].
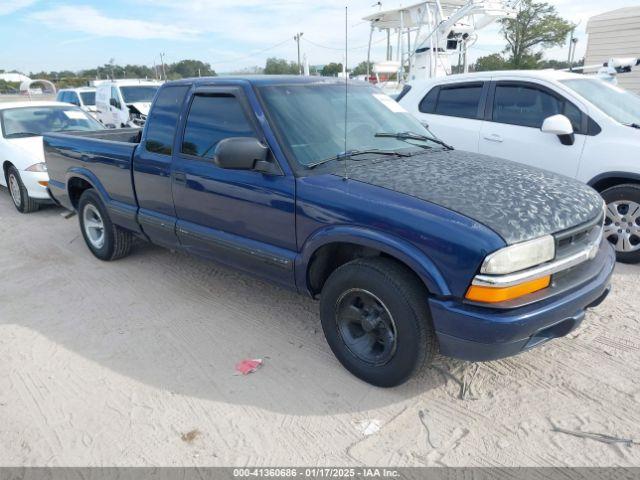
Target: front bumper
[(479, 333), (31, 180)]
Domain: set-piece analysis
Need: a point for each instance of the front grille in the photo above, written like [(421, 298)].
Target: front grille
[(578, 238)]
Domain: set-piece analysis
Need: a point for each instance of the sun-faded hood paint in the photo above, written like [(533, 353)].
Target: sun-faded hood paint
[(516, 201)]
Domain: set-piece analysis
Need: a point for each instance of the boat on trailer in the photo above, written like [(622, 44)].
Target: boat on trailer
[(420, 38)]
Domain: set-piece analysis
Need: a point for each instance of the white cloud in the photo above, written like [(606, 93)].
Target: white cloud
[(91, 21), (8, 7)]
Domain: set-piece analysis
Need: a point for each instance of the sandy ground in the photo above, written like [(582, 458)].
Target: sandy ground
[(132, 363)]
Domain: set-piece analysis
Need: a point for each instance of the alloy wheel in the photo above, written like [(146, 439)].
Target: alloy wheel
[(622, 225), (93, 226)]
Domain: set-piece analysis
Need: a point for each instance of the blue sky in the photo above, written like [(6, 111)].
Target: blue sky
[(71, 35)]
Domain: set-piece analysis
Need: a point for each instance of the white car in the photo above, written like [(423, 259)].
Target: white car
[(571, 124), (24, 170), (83, 97), (124, 103)]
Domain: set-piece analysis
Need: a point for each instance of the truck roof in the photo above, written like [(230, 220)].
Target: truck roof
[(260, 80)]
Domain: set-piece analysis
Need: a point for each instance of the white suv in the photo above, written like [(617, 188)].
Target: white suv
[(571, 124)]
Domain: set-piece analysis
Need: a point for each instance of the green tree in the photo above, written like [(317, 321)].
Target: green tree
[(491, 62), (361, 69), (279, 66), (191, 68), (537, 24), (331, 70)]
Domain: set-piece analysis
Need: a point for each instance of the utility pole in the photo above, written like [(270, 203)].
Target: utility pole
[(164, 73), (297, 39)]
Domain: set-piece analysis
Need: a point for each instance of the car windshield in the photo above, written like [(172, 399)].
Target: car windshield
[(138, 94), (88, 98), (310, 118), (620, 104), (34, 121)]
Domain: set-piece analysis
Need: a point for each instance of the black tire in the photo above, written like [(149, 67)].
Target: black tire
[(116, 242), (403, 298), (624, 193), (24, 203)]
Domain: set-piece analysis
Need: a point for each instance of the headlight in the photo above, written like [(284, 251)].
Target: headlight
[(38, 167), (520, 256)]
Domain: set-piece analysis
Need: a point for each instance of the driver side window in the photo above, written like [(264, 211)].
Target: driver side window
[(213, 118)]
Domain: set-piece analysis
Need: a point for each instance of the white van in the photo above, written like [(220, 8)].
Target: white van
[(124, 103)]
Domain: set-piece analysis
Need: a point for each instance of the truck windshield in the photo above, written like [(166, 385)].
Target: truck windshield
[(35, 121), (138, 93), (620, 104), (311, 120), (88, 98)]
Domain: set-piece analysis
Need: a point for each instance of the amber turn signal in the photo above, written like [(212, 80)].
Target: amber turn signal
[(44, 184), (482, 294)]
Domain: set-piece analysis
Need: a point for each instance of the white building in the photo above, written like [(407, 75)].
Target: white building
[(13, 77), (615, 34)]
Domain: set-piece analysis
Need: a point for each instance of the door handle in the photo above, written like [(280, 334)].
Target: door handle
[(180, 177), (494, 137)]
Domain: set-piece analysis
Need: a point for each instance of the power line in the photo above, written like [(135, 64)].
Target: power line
[(252, 54)]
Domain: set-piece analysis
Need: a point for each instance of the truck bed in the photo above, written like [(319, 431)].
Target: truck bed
[(103, 158)]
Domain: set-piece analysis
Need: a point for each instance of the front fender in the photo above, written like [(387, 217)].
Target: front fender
[(389, 244)]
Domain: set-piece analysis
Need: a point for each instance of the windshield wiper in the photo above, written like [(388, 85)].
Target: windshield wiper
[(355, 153), (413, 136), (633, 125)]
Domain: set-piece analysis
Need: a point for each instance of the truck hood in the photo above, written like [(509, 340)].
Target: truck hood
[(30, 147), (516, 201)]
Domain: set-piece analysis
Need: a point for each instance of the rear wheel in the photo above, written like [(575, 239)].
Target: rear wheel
[(105, 240), (21, 199), (622, 222), (375, 318)]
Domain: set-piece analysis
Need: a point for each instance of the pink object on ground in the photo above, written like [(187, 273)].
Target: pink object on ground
[(248, 366)]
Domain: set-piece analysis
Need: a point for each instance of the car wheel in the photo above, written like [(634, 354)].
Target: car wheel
[(105, 240), (622, 222), (21, 199), (376, 320)]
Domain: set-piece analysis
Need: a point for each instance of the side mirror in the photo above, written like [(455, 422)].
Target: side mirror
[(242, 153), (561, 126)]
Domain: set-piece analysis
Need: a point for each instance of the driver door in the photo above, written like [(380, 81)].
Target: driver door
[(511, 129), (243, 218)]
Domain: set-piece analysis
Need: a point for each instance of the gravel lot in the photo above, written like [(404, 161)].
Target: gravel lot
[(132, 363)]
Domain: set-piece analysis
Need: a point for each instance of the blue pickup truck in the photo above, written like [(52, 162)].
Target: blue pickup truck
[(333, 190)]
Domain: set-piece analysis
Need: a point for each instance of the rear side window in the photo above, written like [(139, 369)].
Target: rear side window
[(523, 105), (213, 118), (163, 119), (462, 101), (454, 101)]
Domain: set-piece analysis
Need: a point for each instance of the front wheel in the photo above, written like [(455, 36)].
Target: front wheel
[(622, 223), (375, 318), (21, 199), (105, 240)]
